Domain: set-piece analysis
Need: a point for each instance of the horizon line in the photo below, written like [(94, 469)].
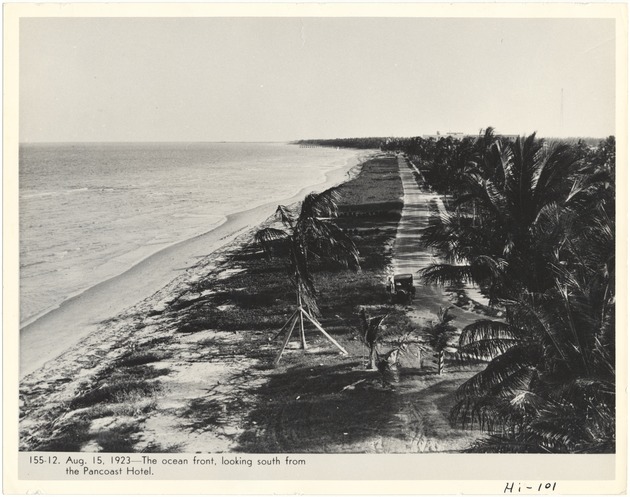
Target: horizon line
[(289, 141)]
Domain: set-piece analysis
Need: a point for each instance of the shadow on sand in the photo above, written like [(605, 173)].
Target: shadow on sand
[(345, 409)]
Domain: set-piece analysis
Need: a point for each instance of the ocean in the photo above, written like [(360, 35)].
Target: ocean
[(89, 212)]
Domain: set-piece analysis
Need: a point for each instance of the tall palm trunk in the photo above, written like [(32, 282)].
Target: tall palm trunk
[(309, 234), (373, 357), (302, 334), (440, 362)]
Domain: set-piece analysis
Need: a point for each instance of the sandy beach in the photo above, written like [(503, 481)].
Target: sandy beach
[(189, 369), (308, 249), (56, 331)]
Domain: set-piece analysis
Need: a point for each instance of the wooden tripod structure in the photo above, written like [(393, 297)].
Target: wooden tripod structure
[(298, 315)]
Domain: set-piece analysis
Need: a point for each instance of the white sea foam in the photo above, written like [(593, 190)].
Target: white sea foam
[(91, 211)]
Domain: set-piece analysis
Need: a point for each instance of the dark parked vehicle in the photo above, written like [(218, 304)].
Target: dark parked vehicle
[(403, 287)]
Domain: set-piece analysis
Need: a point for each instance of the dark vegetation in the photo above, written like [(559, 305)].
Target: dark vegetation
[(532, 223), (318, 405), (261, 296), (361, 143), (115, 397), (415, 145), (323, 415)]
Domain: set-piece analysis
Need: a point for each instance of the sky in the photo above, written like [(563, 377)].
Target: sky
[(280, 79)]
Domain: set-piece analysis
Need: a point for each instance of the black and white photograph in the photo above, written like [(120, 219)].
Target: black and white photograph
[(294, 235)]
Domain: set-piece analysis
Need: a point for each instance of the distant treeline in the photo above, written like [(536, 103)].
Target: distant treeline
[(417, 144), (372, 142)]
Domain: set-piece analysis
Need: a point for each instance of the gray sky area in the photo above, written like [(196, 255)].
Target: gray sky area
[(276, 79)]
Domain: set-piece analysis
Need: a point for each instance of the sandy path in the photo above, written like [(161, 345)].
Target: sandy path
[(409, 257), (78, 317)]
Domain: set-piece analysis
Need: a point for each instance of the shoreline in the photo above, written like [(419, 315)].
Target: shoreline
[(189, 369), (149, 251), (48, 336)]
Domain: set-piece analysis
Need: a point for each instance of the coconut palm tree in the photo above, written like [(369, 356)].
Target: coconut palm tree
[(308, 234), (543, 389), (498, 250), (549, 385), (371, 334), (439, 335), (542, 245)]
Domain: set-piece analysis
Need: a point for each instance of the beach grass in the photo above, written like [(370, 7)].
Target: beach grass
[(116, 396)]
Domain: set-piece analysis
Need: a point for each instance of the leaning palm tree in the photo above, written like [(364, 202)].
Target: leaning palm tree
[(308, 235)]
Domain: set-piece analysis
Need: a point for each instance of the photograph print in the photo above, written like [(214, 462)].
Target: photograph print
[(323, 235)]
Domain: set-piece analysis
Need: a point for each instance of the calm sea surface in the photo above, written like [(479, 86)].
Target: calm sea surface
[(89, 212)]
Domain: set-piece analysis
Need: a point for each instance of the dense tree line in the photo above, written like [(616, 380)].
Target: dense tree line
[(533, 224), (362, 143)]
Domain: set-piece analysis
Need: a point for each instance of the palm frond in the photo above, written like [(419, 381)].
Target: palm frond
[(528, 315), (481, 270), (488, 348), (285, 215), (519, 443), (442, 274), (497, 201), (518, 358), (487, 329), (267, 236), (529, 403), (327, 240), (320, 204)]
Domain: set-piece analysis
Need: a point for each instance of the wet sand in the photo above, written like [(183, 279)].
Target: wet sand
[(76, 318)]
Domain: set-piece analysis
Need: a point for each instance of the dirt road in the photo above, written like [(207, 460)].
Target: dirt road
[(409, 257)]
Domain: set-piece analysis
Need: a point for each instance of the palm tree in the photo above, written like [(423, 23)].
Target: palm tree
[(308, 235), (439, 336), (371, 334), (500, 251), (542, 245), (549, 385)]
